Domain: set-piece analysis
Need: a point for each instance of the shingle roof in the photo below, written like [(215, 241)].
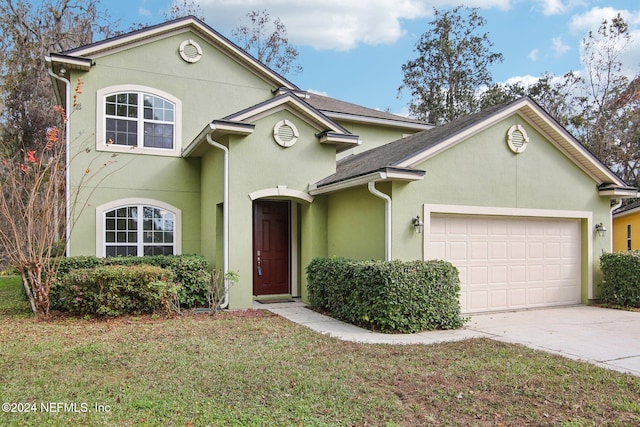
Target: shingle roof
[(627, 208), (331, 105), (395, 152)]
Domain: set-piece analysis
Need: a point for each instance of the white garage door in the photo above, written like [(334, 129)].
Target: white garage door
[(508, 263)]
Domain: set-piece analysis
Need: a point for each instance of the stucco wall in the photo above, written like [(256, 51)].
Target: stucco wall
[(209, 89), (482, 171), (620, 224)]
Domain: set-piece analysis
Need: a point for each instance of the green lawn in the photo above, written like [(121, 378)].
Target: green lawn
[(254, 369)]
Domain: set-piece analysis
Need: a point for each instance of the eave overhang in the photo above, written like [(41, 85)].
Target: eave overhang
[(354, 118), (543, 123), (217, 129), (618, 192), (340, 140), (381, 175), (177, 26)]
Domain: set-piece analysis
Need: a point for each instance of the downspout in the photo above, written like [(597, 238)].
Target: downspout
[(225, 221), (613, 208), (387, 224), (67, 136)]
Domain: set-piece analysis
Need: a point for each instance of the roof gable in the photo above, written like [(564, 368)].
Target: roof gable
[(78, 57), (293, 103), (410, 151)]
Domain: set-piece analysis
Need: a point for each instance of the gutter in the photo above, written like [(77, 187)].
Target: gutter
[(387, 226), (67, 129), (225, 225)]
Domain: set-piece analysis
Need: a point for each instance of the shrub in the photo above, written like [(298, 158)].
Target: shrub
[(190, 272), (388, 296), (621, 284), (116, 290)]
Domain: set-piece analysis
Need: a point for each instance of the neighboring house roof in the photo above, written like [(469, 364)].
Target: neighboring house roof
[(628, 210), (408, 152)]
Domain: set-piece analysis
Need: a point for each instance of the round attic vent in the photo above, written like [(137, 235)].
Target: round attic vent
[(190, 51), (517, 139), (285, 133)]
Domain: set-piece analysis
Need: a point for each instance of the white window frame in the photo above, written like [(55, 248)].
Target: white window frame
[(101, 122), (101, 244)]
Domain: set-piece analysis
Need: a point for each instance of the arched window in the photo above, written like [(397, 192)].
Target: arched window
[(138, 229), (138, 118)]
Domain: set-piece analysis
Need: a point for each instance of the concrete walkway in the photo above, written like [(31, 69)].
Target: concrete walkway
[(603, 337)]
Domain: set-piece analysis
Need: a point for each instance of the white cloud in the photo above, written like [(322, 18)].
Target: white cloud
[(533, 55), (592, 19), (144, 12), (558, 47), (551, 7), (333, 24), (525, 81)]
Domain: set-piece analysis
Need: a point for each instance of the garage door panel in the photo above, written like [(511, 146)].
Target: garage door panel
[(509, 263)]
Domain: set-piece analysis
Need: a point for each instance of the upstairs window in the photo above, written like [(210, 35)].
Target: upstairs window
[(628, 237), (139, 119)]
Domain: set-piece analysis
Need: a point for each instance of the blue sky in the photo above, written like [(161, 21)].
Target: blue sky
[(354, 50)]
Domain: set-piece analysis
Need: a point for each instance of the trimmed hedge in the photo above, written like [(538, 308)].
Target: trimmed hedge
[(115, 290), (190, 272), (621, 284), (390, 296)]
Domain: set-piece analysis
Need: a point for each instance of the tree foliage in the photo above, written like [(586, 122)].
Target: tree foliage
[(271, 48), (599, 106), (29, 34), (452, 66), (183, 8)]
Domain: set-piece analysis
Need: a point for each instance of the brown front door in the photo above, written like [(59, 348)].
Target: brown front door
[(271, 247)]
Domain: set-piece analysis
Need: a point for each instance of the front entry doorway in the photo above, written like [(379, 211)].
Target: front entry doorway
[(271, 247)]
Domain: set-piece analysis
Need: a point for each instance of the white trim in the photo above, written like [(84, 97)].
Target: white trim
[(625, 213), (354, 118), (365, 179), (539, 120), (515, 212), (147, 35), (280, 191), (525, 139), (295, 250), (288, 102), (101, 143), (294, 130), (183, 53), (100, 220)]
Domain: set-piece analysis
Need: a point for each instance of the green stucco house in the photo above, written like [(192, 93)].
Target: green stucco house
[(181, 142)]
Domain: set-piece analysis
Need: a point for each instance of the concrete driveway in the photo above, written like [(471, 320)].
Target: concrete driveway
[(604, 337)]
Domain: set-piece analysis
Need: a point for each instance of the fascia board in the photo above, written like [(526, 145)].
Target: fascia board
[(314, 190), (629, 212), (378, 176), (136, 38), (82, 64), (278, 104), (216, 128), (622, 193), (557, 135), (376, 121)]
